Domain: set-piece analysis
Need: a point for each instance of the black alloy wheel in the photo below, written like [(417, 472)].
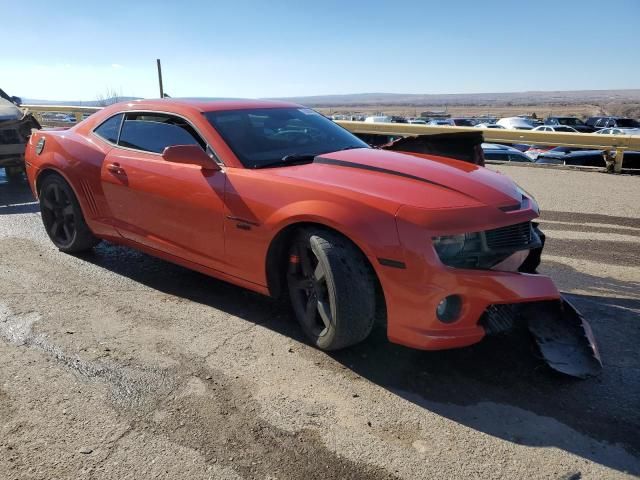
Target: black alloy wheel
[(62, 216), (331, 288)]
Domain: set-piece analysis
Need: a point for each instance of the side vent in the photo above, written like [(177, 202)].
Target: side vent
[(88, 195)]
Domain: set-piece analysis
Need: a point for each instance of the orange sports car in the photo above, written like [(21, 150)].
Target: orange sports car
[(274, 197)]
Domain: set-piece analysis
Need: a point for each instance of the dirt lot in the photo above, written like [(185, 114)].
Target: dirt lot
[(116, 365)]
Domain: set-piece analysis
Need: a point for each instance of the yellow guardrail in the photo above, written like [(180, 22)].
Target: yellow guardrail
[(619, 143)]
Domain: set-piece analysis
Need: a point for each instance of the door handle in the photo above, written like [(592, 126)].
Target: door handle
[(115, 168)]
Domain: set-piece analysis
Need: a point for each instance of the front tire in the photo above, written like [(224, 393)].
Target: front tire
[(332, 289), (62, 216)]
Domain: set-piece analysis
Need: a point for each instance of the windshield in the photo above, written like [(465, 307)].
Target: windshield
[(262, 137)]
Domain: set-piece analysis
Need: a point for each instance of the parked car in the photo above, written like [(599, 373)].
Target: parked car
[(417, 121), (535, 150), (378, 119), (398, 119), (585, 157), (619, 131), (572, 156), (556, 128), (453, 122), (517, 123), (275, 197), (15, 129), (572, 122), (503, 153), (488, 125), (598, 123)]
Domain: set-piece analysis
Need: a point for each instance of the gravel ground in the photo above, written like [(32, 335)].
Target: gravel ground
[(118, 365)]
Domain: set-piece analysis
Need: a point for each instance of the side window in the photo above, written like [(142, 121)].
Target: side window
[(518, 158), (153, 132), (109, 129), (495, 156)]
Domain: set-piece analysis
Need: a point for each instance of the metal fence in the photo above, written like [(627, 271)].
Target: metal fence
[(617, 143)]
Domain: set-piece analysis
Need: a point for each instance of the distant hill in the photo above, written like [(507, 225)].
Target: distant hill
[(83, 103), (573, 97)]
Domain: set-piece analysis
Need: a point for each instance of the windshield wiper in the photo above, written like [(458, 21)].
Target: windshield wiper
[(290, 159), (352, 147), (298, 158)]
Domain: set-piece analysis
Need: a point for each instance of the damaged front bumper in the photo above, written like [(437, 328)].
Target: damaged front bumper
[(563, 336), (14, 134), (492, 302)]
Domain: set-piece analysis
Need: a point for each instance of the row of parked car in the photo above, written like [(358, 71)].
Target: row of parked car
[(604, 125), (548, 154), (542, 154), (611, 125)]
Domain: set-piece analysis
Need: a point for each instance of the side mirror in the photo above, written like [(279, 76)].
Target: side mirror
[(16, 100), (190, 155)]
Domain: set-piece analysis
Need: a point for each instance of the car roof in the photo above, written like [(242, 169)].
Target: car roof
[(207, 104)]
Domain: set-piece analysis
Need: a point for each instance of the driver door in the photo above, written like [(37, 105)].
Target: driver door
[(175, 208)]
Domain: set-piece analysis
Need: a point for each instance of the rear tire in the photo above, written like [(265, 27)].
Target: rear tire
[(332, 289), (62, 216)]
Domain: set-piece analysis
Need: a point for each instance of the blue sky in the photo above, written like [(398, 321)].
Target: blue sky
[(76, 50)]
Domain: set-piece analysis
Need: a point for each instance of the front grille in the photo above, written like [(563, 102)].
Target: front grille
[(9, 136), (498, 319), (512, 236)]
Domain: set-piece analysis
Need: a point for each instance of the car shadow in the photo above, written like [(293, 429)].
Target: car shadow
[(499, 386), (16, 196)]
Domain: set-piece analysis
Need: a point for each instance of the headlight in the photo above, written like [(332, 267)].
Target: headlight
[(483, 250), (526, 195), (450, 247)]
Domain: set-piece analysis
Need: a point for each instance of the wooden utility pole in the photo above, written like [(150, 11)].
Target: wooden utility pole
[(160, 78)]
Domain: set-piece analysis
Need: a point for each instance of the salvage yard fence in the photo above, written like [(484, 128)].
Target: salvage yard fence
[(618, 143)]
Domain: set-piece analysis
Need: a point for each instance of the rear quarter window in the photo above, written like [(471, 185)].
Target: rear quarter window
[(109, 129)]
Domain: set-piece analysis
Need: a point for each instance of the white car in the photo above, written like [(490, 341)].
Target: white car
[(555, 128), (517, 123), (417, 122), (619, 131), (378, 119)]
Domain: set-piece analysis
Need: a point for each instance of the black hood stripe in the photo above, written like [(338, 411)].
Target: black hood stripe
[(343, 163)]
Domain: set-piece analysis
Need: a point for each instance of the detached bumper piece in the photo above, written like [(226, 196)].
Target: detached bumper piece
[(563, 336), (565, 339)]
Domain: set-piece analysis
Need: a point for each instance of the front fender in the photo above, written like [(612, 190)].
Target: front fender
[(373, 231)]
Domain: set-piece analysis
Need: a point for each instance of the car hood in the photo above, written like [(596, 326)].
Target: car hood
[(424, 181), (8, 111)]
